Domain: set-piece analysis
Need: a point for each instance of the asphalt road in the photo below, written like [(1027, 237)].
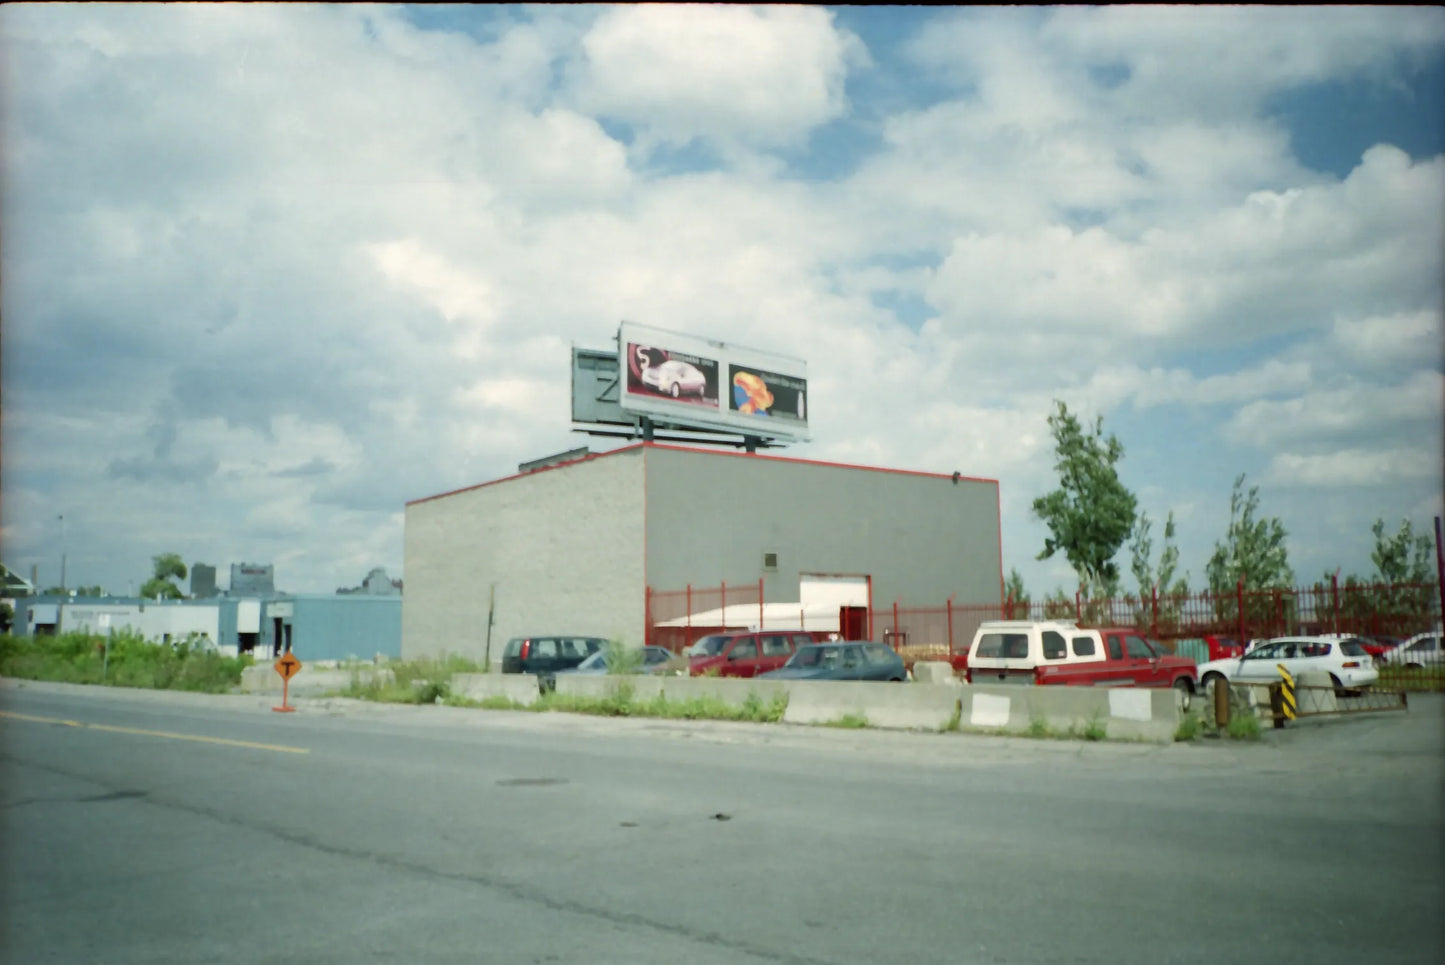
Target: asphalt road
[(144, 827)]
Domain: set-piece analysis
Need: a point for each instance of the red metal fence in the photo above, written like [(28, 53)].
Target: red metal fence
[(1397, 611)]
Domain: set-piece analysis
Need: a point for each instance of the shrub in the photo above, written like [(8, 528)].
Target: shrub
[(1243, 727)]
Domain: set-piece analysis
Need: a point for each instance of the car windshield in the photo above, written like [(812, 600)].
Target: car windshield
[(708, 646)]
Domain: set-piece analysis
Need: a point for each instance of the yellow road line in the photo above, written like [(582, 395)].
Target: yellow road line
[(281, 748)]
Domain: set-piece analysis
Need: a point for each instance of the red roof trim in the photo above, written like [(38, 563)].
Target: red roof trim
[(712, 452)]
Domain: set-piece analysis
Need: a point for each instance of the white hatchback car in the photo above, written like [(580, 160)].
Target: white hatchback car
[(1348, 664)]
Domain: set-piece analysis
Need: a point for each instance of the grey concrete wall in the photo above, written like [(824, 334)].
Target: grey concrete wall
[(563, 545), (712, 515)]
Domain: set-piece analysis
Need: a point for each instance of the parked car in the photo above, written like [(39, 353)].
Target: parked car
[(1347, 662), (675, 378), (655, 660), (744, 653), (844, 660), (1376, 647), (547, 655), (1059, 652), (1421, 650)]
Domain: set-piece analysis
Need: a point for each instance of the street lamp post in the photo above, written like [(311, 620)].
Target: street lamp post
[(61, 517)]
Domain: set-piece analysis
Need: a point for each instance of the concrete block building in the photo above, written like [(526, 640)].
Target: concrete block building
[(572, 548)]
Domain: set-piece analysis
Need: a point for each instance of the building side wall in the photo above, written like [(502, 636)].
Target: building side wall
[(345, 627), (563, 547), (711, 517)]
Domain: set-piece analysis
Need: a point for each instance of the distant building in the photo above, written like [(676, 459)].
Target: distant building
[(12, 584), (377, 583), (203, 581), (253, 579), (314, 627)]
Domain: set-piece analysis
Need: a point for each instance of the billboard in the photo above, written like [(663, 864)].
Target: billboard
[(685, 381)]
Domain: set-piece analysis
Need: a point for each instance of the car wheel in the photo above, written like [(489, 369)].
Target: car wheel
[(1183, 693), (1340, 690), (673, 390)]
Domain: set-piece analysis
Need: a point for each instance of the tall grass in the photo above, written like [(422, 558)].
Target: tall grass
[(423, 681), (132, 661)]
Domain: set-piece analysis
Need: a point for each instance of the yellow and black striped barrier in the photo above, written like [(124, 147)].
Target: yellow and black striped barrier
[(1282, 697)]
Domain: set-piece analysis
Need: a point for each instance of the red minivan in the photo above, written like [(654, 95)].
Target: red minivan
[(745, 653)]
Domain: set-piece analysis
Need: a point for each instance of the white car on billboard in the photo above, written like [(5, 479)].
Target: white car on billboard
[(675, 378)]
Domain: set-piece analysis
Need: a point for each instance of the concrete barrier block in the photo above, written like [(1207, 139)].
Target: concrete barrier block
[(309, 681), (887, 705), (1123, 713), (643, 686), (1315, 693), (730, 690), (934, 672), (519, 687)]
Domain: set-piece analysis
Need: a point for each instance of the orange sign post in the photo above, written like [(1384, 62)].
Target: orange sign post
[(286, 667)]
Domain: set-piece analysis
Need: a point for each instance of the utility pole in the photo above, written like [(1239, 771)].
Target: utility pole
[(61, 517)]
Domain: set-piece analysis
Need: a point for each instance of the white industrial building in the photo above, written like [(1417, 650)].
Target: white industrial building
[(573, 548)]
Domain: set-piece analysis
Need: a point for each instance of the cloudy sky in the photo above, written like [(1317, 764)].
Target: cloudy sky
[(269, 272)]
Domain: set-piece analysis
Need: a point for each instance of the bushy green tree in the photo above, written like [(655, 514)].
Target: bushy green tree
[(168, 566), (1091, 514)]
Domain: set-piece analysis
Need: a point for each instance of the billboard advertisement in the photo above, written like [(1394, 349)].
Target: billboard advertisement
[(683, 380)]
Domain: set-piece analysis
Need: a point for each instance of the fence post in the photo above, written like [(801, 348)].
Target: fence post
[(1335, 602), (1279, 612), (895, 623), (648, 634), (1243, 641), (687, 634), (1078, 606), (760, 603), (725, 603), (1154, 613), (1440, 567), (949, 607)]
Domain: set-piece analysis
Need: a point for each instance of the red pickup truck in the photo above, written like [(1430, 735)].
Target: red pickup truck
[(1055, 652), (744, 653)]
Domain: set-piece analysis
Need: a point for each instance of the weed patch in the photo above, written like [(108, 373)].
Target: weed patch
[(849, 721), (423, 681), (1243, 727), (123, 659), (1189, 728)]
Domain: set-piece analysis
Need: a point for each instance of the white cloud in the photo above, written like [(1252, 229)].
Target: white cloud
[(1354, 468), (1398, 341), (756, 75), (1343, 411)]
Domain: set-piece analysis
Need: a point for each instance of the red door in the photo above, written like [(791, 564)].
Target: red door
[(777, 648), (742, 658), (1144, 662)]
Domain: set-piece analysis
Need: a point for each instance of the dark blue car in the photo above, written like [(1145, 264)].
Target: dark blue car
[(843, 660)]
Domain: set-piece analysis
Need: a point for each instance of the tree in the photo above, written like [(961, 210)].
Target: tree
[(159, 586), (1253, 550), (1142, 551), (1156, 583), (1015, 595), (1091, 514), (1402, 558)]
